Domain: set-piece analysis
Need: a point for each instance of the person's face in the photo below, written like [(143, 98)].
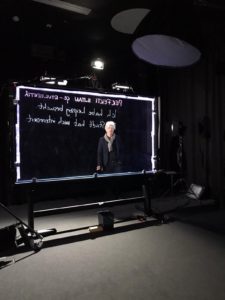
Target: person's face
[(109, 131)]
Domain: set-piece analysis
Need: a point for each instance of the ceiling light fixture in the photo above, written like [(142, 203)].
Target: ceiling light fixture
[(97, 64), (67, 6)]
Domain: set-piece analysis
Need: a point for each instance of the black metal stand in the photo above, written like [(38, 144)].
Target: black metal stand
[(180, 162), (30, 212), (5, 261), (147, 205), (29, 236), (33, 186)]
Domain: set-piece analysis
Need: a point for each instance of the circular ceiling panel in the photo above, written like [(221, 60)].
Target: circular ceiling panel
[(127, 21), (164, 50)]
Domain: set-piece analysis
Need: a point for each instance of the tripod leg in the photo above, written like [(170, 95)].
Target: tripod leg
[(28, 234), (5, 261), (29, 239)]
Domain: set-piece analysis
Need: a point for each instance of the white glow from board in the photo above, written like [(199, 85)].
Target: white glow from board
[(17, 133), (17, 125), (153, 133), (87, 93)]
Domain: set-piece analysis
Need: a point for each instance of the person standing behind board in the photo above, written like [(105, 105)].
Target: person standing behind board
[(109, 150)]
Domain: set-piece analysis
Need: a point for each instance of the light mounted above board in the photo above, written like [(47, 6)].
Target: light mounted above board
[(97, 64), (53, 80), (122, 87)]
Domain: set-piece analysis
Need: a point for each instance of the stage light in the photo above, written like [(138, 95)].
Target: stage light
[(48, 80), (122, 87), (62, 82), (97, 64), (53, 80)]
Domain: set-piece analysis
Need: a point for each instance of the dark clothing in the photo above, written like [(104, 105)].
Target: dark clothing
[(109, 161)]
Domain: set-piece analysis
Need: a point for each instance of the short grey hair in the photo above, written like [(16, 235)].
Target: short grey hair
[(110, 123)]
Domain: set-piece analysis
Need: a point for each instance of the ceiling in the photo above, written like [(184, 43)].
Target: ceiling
[(38, 37)]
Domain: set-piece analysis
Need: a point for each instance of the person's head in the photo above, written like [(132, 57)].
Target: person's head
[(110, 127)]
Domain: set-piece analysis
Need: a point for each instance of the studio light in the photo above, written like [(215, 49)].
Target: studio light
[(62, 82), (48, 80), (97, 64), (122, 87), (53, 81)]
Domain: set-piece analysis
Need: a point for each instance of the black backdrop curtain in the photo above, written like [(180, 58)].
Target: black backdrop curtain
[(196, 97)]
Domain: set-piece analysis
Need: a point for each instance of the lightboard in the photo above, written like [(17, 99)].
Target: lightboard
[(57, 131)]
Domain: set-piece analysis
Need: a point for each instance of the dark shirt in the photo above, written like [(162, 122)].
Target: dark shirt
[(109, 161)]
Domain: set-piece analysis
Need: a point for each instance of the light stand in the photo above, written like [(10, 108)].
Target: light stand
[(180, 160), (5, 261), (177, 174), (29, 236)]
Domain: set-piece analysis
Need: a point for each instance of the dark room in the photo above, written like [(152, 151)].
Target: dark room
[(112, 149)]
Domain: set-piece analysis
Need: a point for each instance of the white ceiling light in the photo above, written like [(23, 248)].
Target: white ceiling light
[(67, 6), (97, 64)]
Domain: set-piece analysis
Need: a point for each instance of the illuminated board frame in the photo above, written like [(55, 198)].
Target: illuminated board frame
[(79, 92)]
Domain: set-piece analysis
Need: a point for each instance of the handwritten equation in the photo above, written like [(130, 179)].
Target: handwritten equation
[(104, 100), (70, 110)]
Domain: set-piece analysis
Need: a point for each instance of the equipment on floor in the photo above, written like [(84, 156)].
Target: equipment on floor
[(29, 236), (106, 219)]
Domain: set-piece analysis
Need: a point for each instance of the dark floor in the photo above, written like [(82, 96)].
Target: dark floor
[(183, 258)]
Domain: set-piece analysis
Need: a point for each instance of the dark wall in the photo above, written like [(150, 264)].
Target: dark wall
[(7, 115), (5, 151), (195, 96)]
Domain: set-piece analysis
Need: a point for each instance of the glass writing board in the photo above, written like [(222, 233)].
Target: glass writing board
[(57, 131)]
